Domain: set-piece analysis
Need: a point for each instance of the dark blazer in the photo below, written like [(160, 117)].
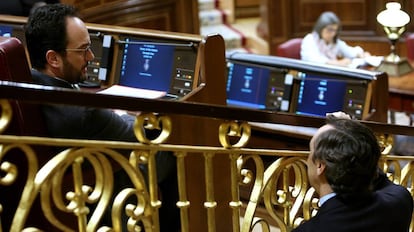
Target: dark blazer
[(388, 209), (75, 122), (64, 121)]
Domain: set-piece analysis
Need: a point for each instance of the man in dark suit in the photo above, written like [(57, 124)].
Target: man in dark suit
[(354, 194), (59, 46)]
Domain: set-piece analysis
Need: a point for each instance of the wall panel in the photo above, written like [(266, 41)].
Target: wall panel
[(168, 15), (285, 19)]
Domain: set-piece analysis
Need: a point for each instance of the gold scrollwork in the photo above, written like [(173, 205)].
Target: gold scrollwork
[(248, 176), (285, 186), (393, 170), (386, 143), (24, 153), (151, 121), (407, 177), (60, 184), (6, 114), (282, 188), (264, 225), (234, 129)]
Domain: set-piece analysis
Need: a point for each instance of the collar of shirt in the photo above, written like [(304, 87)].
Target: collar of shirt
[(325, 198), (73, 85), (62, 83)]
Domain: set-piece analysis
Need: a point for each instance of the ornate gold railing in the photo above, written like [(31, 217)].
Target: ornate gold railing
[(62, 186)]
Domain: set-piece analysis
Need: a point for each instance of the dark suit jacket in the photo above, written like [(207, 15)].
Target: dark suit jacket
[(75, 122), (388, 209)]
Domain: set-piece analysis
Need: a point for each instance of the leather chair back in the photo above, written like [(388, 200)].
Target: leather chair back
[(27, 120), (13, 60), (409, 43), (14, 66), (290, 48)]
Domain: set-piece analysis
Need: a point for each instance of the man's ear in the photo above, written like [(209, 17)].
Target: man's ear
[(320, 167), (53, 58)]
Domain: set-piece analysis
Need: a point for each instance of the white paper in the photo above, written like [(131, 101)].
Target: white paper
[(119, 90), (374, 61)]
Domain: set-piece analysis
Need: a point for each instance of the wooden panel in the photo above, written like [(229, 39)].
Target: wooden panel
[(285, 19), (353, 14), (159, 20), (247, 8), (378, 47), (243, 3), (168, 15)]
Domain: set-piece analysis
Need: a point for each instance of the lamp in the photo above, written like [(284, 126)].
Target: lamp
[(393, 20)]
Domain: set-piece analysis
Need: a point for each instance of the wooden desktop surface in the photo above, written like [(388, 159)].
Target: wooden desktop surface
[(401, 92), (401, 99)]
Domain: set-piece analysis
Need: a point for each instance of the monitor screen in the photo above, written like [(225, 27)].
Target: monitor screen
[(6, 30), (320, 94), (12, 30), (99, 68), (157, 65), (258, 87), (298, 87), (147, 66)]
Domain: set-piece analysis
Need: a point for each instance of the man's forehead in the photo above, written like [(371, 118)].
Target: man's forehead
[(77, 31)]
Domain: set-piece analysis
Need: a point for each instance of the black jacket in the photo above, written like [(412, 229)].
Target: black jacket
[(388, 209), (76, 122)]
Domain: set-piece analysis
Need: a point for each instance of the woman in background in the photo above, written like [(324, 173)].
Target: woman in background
[(323, 45)]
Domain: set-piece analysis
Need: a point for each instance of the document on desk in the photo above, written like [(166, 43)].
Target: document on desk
[(373, 61), (119, 90), (308, 131)]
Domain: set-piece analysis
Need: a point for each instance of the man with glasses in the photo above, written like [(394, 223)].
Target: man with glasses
[(59, 47)]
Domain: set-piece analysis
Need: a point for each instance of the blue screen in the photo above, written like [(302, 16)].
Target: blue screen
[(247, 86), (320, 95), (6, 31), (147, 65)]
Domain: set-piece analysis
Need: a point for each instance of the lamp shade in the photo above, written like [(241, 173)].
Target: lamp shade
[(393, 16)]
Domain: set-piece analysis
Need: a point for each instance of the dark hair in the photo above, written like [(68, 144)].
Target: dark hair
[(351, 153), (46, 30), (325, 19)]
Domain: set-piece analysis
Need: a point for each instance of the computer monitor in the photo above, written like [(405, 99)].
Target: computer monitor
[(316, 89), (160, 65), (102, 48), (12, 30), (6, 30), (320, 94), (258, 86)]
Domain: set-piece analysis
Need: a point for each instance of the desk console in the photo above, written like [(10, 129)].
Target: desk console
[(295, 86), (144, 59)]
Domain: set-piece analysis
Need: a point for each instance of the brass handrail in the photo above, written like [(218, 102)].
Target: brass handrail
[(278, 187)]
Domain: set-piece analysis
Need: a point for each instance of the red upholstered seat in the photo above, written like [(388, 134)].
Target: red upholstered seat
[(27, 117), (290, 48), (13, 60), (409, 43)]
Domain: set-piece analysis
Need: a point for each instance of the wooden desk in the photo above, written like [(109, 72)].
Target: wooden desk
[(401, 94)]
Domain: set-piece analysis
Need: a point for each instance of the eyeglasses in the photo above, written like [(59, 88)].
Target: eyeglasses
[(331, 29), (84, 50)]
